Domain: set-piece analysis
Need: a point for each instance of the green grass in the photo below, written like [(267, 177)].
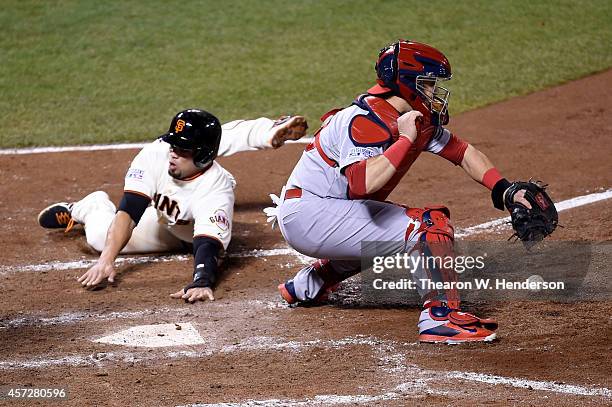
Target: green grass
[(74, 72)]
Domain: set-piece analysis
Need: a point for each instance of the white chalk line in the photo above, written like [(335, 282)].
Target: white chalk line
[(414, 389), (500, 223), (77, 317), (70, 318), (417, 388), (531, 384), (100, 147), (495, 224), (86, 263), (252, 344), (385, 350)]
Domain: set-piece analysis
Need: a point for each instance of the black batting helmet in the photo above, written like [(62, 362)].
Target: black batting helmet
[(198, 131)]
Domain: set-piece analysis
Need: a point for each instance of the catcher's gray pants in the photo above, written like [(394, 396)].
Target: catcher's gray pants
[(330, 228)]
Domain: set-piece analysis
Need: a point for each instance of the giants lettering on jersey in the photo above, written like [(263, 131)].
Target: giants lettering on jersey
[(164, 204), (220, 219)]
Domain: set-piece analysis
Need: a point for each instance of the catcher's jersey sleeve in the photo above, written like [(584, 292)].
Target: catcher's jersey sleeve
[(213, 209), (144, 171)]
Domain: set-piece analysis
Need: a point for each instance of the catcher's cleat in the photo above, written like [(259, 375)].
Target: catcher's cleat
[(287, 291), (288, 128), (56, 216), (440, 324)]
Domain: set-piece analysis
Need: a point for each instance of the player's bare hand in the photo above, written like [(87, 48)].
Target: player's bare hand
[(97, 274), (519, 197), (288, 128), (195, 294), (406, 124)]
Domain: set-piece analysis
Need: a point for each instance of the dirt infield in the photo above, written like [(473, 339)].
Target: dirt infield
[(257, 349)]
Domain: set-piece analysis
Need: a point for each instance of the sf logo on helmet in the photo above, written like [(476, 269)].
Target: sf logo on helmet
[(179, 126)]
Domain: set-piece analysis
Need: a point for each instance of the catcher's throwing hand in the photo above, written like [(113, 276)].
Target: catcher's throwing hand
[(195, 294), (97, 274), (288, 128), (406, 124)]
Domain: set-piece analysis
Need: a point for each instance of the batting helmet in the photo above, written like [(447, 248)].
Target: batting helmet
[(197, 131), (412, 71)]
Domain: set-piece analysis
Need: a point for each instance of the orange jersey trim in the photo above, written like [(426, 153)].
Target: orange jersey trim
[(138, 193), (193, 176)]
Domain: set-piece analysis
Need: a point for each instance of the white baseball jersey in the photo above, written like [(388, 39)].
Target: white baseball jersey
[(180, 210), (200, 206)]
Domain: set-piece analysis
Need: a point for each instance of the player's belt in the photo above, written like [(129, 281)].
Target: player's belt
[(293, 193)]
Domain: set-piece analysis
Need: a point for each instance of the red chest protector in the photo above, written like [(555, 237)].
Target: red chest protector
[(379, 128), (379, 125)]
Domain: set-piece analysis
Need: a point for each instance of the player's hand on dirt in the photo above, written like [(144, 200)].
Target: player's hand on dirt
[(96, 274), (195, 294), (406, 124), (519, 197), (288, 128)]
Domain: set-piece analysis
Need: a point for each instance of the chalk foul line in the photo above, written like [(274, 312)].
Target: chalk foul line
[(391, 360), (495, 224), (121, 261), (101, 147), (77, 317), (500, 223)]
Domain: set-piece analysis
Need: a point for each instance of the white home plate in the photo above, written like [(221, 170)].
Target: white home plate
[(155, 336)]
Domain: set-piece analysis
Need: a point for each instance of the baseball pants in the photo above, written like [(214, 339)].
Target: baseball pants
[(333, 229)]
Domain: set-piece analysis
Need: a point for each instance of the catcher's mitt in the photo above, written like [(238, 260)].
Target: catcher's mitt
[(531, 225)]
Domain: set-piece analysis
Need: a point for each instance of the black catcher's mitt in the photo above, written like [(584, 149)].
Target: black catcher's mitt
[(531, 225)]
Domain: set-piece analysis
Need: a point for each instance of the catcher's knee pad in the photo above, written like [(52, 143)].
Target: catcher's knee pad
[(435, 243), (435, 223)]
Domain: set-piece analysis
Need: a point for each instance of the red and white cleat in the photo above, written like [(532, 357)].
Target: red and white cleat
[(440, 324)]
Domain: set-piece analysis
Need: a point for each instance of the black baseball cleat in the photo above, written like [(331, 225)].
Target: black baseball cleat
[(56, 216)]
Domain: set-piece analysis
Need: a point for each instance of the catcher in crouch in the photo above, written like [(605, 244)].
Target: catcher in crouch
[(336, 195), (175, 194)]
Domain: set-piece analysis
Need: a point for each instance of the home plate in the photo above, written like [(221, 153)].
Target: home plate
[(155, 336)]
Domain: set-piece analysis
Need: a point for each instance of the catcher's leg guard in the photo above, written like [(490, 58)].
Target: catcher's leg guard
[(313, 283), (441, 320), (435, 244)]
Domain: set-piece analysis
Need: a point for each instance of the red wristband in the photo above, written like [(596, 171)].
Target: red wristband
[(398, 150), (490, 178)]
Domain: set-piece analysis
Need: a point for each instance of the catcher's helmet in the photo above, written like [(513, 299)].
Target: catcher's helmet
[(198, 131), (405, 67)]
